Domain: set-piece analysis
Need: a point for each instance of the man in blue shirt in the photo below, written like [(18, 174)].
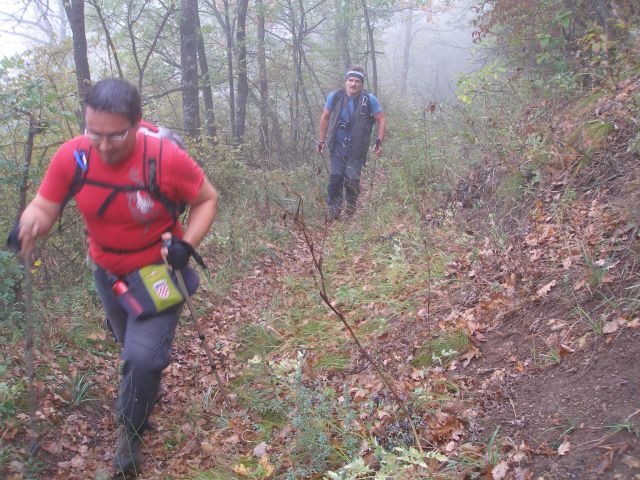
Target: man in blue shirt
[(345, 129)]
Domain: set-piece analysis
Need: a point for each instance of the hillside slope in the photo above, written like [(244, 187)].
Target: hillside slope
[(508, 326)]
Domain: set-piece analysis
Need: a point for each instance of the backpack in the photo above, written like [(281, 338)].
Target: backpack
[(149, 128), (151, 164)]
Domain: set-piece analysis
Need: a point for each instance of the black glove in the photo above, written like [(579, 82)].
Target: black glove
[(13, 241), (179, 252)]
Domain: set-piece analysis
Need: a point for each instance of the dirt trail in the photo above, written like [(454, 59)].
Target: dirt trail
[(560, 402)]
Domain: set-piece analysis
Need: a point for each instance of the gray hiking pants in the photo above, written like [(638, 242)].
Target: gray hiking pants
[(344, 177), (146, 352)]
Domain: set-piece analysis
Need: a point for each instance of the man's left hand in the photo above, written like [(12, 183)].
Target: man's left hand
[(377, 148), (175, 252)]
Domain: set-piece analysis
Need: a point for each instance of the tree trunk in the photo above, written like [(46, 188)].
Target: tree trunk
[(189, 65), (207, 94), (408, 36), (342, 37), (75, 14), (225, 23), (372, 49), (232, 100), (276, 130), (34, 129), (243, 83), (263, 84)]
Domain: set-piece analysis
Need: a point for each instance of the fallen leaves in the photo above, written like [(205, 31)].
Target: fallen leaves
[(543, 291), (564, 447), (471, 353), (260, 450), (614, 325), (263, 470), (499, 472)]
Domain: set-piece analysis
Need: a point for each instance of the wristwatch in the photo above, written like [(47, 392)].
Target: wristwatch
[(378, 142)]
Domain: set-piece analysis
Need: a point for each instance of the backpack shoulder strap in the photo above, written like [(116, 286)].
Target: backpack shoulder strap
[(151, 167), (81, 158), (337, 97), (365, 103), (152, 174)]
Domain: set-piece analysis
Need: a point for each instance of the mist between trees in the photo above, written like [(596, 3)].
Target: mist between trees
[(243, 82), (252, 73), (498, 112)]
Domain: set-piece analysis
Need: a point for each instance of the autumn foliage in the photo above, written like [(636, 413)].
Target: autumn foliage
[(492, 274)]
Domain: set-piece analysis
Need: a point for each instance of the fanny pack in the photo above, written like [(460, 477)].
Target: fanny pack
[(153, 289)]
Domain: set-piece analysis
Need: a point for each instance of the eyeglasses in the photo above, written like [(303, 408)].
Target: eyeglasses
[(113, 137)]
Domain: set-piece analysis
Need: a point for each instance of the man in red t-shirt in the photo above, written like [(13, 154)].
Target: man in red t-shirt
[(126, 229)]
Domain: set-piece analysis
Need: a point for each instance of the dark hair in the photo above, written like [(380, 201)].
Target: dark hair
[(357, 68), (116, 96)]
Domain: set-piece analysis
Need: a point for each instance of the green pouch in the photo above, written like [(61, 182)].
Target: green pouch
[(155, 289)]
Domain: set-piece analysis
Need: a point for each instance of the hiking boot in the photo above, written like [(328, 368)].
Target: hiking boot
[(128, 458), (149, 425), (350, 210)]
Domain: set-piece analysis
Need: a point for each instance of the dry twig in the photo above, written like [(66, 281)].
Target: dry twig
[(320, 282)]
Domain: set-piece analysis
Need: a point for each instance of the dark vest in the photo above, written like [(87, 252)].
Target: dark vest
[(361, 122)]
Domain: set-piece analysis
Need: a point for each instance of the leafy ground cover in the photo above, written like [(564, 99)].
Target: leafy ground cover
[(504, 313)]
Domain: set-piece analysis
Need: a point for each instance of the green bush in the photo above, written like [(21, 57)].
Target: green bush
[(10, 286)]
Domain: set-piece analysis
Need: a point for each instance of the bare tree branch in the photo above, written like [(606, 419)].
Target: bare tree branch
[(112, 47)]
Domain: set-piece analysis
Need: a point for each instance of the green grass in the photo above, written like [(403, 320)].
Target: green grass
[(80, 388), (12, 398), (332, 361), (493, 448), (372, 326), (256, 340), (626, 426), (218, 473), (270, 421), (441, 350)]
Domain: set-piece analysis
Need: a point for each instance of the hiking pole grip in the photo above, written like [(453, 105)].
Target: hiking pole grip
[(203, 342)]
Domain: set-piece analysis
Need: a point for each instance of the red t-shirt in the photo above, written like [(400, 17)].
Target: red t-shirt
[(133, 219)]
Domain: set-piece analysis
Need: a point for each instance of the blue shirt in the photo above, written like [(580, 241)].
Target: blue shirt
[(345, 114)]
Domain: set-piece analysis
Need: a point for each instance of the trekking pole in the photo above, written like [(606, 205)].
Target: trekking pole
[(203, 342), (326, 165), (29, 358), (25, 294), (373, 176)]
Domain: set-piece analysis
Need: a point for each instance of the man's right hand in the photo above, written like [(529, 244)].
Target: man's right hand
[(36, 221), (320, 147), (29, 230)]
